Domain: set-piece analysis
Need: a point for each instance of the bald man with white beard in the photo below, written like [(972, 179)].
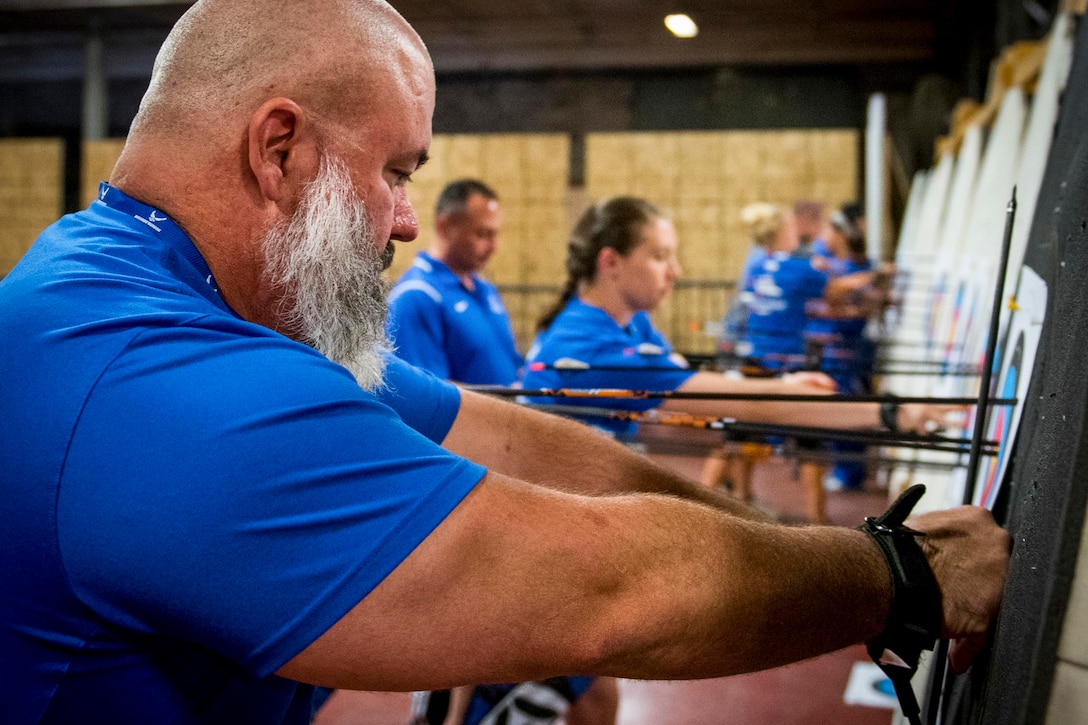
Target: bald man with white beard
[(214, 499)]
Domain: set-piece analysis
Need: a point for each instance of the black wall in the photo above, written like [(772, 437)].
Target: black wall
[(1043, 503)]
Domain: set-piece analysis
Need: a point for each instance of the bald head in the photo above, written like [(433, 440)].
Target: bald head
[(225, 57), (249, 100)]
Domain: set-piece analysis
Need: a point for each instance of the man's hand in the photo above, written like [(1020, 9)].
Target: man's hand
[(969, 555)]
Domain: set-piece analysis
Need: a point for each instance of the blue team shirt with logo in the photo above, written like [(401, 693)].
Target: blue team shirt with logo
[(633, 357), (440, 325), (189, 499), (780, 287)]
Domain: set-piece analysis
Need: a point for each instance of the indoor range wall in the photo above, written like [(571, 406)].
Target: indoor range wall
[(31, 193), (701, 178)]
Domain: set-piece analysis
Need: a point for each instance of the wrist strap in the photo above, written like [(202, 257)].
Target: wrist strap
[(915, 616), (889, 416)]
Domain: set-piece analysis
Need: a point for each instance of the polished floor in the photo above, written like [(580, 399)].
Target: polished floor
[(807, 693)]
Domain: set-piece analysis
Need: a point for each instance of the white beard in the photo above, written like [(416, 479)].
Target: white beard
[(324, 262)]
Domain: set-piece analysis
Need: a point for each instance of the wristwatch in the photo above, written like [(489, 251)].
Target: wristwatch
[(889, 415)]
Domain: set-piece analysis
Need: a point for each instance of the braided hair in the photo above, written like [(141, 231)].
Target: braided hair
[(615, 223)]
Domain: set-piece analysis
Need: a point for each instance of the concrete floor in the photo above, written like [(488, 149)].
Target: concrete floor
[(806, 693)]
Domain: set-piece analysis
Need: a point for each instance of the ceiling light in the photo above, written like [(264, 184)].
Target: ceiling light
[(681, 25)]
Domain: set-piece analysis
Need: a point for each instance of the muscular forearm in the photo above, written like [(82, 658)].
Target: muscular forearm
[(522, 583), (773, 595), (551, 451)]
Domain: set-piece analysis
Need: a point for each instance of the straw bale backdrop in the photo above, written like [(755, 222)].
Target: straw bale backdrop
[(701, 178)]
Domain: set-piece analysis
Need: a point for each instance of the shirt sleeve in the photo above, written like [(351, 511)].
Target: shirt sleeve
[(425, 403), (243, 494), (415, 325)]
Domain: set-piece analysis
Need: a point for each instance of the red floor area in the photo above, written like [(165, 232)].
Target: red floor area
[(806, 693)]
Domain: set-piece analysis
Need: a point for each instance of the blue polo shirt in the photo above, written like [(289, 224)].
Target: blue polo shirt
[(188, 499), (634, 357), (850, 327), (780, 288), (847, 351), (755, 258), (458, 334)]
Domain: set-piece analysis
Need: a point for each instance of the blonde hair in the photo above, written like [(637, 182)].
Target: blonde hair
[(763, 221)]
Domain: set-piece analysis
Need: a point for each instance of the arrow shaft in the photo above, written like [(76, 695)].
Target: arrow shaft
[(623, 394)]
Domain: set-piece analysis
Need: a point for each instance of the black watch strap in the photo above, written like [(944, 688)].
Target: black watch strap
[(889, 415), (914, 621)]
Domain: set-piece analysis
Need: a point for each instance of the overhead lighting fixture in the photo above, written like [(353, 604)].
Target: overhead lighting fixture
[(681, 25)]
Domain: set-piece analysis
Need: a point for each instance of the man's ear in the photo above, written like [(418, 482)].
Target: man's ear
[(606, 259), (442, 224), (283, 150)]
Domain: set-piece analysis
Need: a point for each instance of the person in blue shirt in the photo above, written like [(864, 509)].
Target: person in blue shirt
[(621, 263), (446, 318), (218, 491), (838, 328), (837, 322), (781, 290), (811, 311), (443, 316), (733, 464), (735, 321), (797, 300)]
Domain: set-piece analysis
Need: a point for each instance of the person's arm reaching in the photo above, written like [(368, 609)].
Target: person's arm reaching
[(521, 582), (552, 451), (911, 417), (851, 296)]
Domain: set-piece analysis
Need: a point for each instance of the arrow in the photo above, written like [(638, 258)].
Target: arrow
[(884, 438), (621, 393)]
